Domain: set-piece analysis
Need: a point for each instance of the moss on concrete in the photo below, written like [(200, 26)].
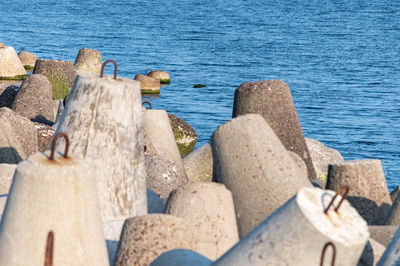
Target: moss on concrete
[(60, 87), (184, 149), (28, 67), (165, 81), (17, 77), (144, 91)]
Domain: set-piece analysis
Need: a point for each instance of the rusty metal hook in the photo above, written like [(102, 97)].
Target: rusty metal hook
[(346, 190), (104, 65), (324, 251), (148, 70), (147, 103), (53, 145), (49, 249)]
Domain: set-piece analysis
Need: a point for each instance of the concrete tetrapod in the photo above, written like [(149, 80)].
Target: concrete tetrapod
[(181, 257), (209, 208), (103, 119), (369, 193), (199, 164), (391, 256), (56, 195), (272, 99), (88, 61), (254, 165), (382, 233), (297, 232), (393, 217), (10, 65), (159, 132)]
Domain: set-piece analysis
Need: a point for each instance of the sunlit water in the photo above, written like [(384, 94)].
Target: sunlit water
[(340, 58)]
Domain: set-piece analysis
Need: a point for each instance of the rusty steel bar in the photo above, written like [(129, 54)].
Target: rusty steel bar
[(346, 190), (53, 145), (49, 249), (104, 65), (147, 103), (329, 244)]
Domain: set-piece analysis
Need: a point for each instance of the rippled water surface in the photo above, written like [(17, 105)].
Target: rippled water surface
[(340, 59)]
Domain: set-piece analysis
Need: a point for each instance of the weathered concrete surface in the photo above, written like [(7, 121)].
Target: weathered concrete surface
[(322, 156), (18, 137), (45, 135), (382, 233), (296, 233), (28, 59), (61, 75), (58, 196), (7, 95), (10, 65), (163, 176), (299, 162), (391, 256), (371, 254), (103, 120), (162, 76), (254, 165), (368, 190), (6, 176), (209, 208), (159, 133), (144, 238), (148, 85), (394, 193), (88, 61), (184, 134), (181, 257), (199, 164), (393, 218), (34, 99), (272, 99)]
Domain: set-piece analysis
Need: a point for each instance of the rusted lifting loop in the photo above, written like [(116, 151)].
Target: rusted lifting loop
[(324, 251), (49, 249), (148, 70), (147, 103), (53, 145), (346, 190), (104, 65)]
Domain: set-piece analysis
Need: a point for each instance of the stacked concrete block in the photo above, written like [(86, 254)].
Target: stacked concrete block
[(272, 99), (199, 164), (368, 190), (88, 61), (10, 65), (391, 256), (28, 59), (254, 165), (382, 233), (148, 85), (209, 208)]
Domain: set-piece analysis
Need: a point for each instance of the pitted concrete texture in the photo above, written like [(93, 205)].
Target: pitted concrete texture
[(209, 208), (254, 165), (163, 176), (148, 85), (45, 135), (162, 76), (272, 99), (144, 238), (34, 99), (391, 256), (382, 233), (181, 257), (18, 137), (88, 61), (199, 164), (368, 190), (27, 59), (6, 177), (10, 64), (184, 134), (322, 156)]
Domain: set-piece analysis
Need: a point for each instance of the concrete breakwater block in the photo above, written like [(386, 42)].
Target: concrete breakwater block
[(393, 217), (372, 253), (394, 193), (6, 176), (28, 59), (148, 85), (163, 176), (322, 156), (254, 165), (209, 208), (144, 238), (184, 134), (10, 65), (88, 61), (382, 233), (61, 75), (391, 256), (45, 135), (103, 120), (34, 99), (272, 99), (157, 128), (52, 195), (181, 257), (368, 190), (18, 137), (199, 164), (162, 76), (297, 232), (7, 95)]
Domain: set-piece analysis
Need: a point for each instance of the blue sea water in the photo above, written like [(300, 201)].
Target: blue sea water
[(341, 59)]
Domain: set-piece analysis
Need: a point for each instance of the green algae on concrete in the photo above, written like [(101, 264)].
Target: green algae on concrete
[(184, 134), (17, 77), (165, 81), (28, 67), (60, 87), (145, 91)]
